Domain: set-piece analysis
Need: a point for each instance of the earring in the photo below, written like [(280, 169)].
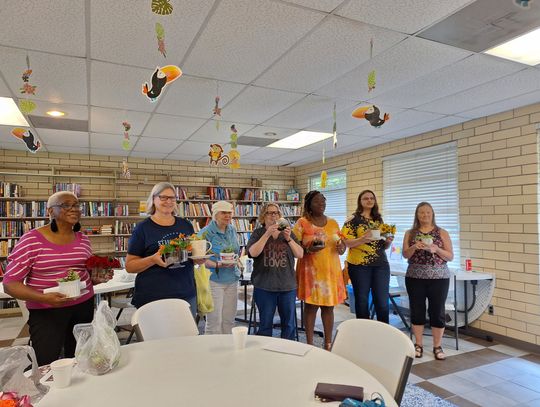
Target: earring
[(77, 227), (54, 226)]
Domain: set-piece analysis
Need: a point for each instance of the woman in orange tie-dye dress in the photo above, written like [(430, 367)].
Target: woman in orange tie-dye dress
[(318, 273)]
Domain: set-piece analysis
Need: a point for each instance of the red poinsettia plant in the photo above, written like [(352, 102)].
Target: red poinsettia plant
[(12, 399), (100, 268)]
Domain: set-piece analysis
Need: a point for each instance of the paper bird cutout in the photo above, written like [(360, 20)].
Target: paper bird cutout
[(32, 144), (161, 77), (371, 114)]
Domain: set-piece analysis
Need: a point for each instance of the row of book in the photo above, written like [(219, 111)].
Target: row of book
[(247, 209), (187, 209), (10, 190), (124, 228), (13, 228), (64, 186), (91, 208), (243, 238), (243, 225), (219, 193), (6, 246), (17, 209), (121, 243), (181, 193), (260, 195)]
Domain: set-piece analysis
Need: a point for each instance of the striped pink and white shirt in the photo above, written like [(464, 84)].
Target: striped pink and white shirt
[(42, 263)]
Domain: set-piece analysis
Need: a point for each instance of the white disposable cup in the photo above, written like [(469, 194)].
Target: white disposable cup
[(61, 370), (375, 234), (239, 334)]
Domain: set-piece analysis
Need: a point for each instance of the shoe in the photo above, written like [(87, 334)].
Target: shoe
[(419, 351), (439, 353)]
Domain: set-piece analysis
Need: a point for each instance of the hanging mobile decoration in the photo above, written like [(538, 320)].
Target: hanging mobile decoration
[(334, 127), (125, 170), (323, 155), (372, 76), (126, 145), (216, 155), (324, 177), (372, 114), (234, 155), (162, 7), (161, 77), (160, 35), (32, 143), (217, 110), (27, 106)]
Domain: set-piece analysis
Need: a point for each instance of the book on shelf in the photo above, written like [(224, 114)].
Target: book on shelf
[(142, 208), (106, 229), (10, 190), (124, 228), (181, 193), (219, 193), (64, 186)]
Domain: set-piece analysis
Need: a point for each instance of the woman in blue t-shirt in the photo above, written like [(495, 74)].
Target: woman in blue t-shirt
[(225, 274), (154, 280)]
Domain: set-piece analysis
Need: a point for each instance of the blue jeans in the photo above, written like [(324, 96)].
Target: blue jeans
[(376, 279), (267, 301), (192, 305)]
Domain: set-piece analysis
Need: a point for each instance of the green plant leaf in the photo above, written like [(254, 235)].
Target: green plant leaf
[(162, 7)]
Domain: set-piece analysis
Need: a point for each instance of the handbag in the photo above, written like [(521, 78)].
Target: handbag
[(338, 392), (205, 304)]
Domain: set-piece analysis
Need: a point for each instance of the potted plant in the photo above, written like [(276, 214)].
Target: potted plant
[(375, 231), (425, 238), (176, 251), (100, 268), (388, 230), (69, 285)]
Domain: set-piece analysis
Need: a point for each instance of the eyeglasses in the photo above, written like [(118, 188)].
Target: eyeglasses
[(165, 198), (272, 213), (68, 207)]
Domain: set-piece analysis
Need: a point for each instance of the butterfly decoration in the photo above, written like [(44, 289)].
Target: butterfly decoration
[(162, 7)]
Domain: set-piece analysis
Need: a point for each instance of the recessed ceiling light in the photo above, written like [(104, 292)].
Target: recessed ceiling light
[(300, 139), (270, 134), (10, 115), (55, 113), (523, 49)]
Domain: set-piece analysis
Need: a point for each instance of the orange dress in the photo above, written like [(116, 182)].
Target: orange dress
[(319, 276)]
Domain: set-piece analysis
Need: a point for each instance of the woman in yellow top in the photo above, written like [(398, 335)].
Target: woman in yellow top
[(318, 273), (367, 263)]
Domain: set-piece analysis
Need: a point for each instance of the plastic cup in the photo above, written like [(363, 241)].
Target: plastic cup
[(61, 370), (239, 334)]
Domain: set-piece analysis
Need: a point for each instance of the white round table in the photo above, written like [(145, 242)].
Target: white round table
[(207, 371)]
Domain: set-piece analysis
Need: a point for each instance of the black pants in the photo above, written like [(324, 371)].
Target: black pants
[(376, 279), (51, 330), (435, 291)]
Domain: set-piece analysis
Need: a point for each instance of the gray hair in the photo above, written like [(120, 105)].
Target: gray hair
[(55, 198), (156, 190)]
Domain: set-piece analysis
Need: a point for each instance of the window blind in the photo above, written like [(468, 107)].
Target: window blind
[(430, 175)]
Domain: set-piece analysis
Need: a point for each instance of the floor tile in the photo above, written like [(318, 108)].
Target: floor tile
[(486, 398), (532, 357), (481, 341), (412, 379), (508, 350), (522, 365), (514, 391), (531, 382), (433, 388), (455, 384), (461, 402), (479, 377), (504, 371)]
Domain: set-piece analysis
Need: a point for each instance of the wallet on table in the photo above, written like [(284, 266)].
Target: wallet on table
[(338, 392)]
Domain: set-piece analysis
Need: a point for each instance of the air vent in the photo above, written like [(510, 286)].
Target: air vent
[(485, 24), (255, 141), (42, 122)]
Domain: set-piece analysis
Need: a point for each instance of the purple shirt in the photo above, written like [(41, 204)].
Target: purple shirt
[(42, 263)]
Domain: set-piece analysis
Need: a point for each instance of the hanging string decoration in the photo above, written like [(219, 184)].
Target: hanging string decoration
[(26, 105), (126, 174), (216, 155), (162, 7), (160, 35), (323, 155), (234, 154), (160, 78), (32, 143), (334, 127), (217, 110), (126, 145), (324, 178), (372, 114), (372, 76)]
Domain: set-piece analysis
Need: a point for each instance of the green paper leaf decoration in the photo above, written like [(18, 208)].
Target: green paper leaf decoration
[(126, 145), (162, 7), (372, 80), (160, 31), (26, 106)]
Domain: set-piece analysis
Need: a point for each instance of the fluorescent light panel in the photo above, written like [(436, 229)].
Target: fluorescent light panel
[(523, 49), (10, 115), (300, 139)]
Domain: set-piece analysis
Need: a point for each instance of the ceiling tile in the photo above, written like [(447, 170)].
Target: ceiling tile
[(334, 48), (180, 155), (53, 26), (301, 154), (133, 30), (68, 149), (259, 131), (322, 5), (196, 97), (110, 120), (208, 132), (424, 128), (172, 127), (522, 82), (118, 152), (244, 37), (110, 141), (4, 90), (268, 153), (63, 138), (192, 148), (155, 145), (255, 104), (307, 111), (59, 79), (503, 105), (462, 75), (415, 57), (414, 15), (73, 112), (120, 87)]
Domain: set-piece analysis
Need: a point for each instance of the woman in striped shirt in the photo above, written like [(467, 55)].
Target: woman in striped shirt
[(42, 257)]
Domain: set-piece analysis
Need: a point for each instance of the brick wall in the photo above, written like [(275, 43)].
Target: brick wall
[(498, 188)]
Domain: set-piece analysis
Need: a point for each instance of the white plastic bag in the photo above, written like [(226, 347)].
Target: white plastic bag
[(13, 362), (98, 347)]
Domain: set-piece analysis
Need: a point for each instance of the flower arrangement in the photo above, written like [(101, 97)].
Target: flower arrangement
[(373, 225), (99, 262), (387, 230), (182, 242), (228, 249), (424, 238), (71, 276), (12, 399)]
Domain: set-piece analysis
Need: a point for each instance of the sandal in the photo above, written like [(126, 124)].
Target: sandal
[(439, 353), (419, 351)]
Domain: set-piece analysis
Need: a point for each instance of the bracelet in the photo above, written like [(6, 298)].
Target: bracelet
[(288, 241)]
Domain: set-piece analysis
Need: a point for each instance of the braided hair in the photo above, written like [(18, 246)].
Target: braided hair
[(308, 199)]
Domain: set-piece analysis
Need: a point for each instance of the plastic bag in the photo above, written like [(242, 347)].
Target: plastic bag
[(98, 347), (13, 362), (205, 304)]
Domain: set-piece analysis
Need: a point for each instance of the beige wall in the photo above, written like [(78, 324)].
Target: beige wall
[(498, 189)]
